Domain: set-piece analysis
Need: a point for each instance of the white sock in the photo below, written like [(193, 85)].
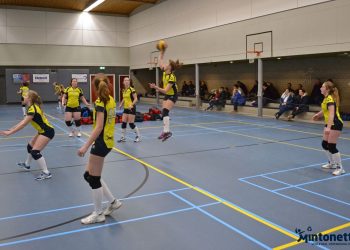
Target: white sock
[(42, 164), (24, 110), (29, 159), (106, 192), (166, 122), (337, 160), (329, 156), (137, 131), (97, 195), (123, 132)]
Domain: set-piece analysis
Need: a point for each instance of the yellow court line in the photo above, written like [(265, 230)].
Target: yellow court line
[(265, 139), (331, 230), (21, 137)]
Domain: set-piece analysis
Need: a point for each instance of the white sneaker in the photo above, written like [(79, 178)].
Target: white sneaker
[(137, 139), (122, 139), (78, 134), (329, 166), (93, 218), (71, 134), (338, 171), (43, 176), (112, 206)]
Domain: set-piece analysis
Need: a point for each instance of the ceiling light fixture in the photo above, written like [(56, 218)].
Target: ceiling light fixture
[(94, 5)]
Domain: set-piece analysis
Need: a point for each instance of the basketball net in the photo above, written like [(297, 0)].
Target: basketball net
[(257, 55)]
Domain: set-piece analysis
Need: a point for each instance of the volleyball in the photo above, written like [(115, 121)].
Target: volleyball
[(161, 45)]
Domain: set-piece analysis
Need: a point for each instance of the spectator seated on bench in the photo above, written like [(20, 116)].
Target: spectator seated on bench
[(301, 106), (238, 99), (286, 102), (268, 95), (218, 101)]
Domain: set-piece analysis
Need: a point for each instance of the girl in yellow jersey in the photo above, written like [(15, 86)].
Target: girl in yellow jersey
[(102, 141), (71, 99), (129, 104), (46, 132), (23, 90), (170, 90), (59, 91), (333, 127)]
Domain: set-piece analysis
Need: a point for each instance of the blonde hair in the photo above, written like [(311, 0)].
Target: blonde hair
[(333, 91), (34, 97), (175, 65)]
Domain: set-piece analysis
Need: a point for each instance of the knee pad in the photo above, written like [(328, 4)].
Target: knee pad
[(77, 123), (123, 125), (132, 125), (86, 176), (95, 181), (69, 123), (325, 145), (29, 148), (165, 112), (332, 148), (36, 154), (23, 105)]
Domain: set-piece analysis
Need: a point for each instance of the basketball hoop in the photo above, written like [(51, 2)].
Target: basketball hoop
[(257, 54)]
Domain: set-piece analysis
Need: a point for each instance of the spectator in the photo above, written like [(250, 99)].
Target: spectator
[(286, 102), (302, 106), (254, 91), (237, 98), (191, 89), (244, 88), (218, 100), (203, 91), (316, 97), (289, 86), (185, 89)]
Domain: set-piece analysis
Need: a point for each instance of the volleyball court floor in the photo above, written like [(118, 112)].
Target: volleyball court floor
[(223, 181)]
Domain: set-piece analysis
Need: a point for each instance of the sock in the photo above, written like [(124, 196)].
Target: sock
[(166, 122), (24, 110), (106, 192), (329, 156), (29, 159), (123, 132), (137, 131), (42, 165), (97, 195), (337, 160)]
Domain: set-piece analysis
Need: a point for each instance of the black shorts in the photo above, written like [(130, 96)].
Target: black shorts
[(49, 133), (172, 98), (337, 126), (130, 111), (99, 148), (73, 110)]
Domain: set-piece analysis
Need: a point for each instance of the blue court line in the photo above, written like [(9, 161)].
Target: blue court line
[(103, 226), (87, 205), (312, 192), (275, 180), (299, 201), (287, 170), (222, 222)]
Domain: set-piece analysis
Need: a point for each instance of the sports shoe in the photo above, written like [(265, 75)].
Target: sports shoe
[(23, 165), (78, 134), (112, 206), (93, 218), (122, 139), (43, 176), (167, 135), (338, 171), (329, 166), (161, 136), (137, 139), (71, 134)]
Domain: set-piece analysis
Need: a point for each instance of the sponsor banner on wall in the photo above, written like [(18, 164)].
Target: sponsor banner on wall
[(41, 78), (21, 78), (80, 77)]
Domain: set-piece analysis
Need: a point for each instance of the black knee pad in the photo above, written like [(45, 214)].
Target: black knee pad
[(325, 145), (23, 105), (77, 123), (36, 154), (86, 176), (332, 147), (29, 148), (165, 112), (123, 125), (95, 181), (69, 123), (132, 125)]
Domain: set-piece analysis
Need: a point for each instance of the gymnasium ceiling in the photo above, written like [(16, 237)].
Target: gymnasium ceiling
[(122, 7)]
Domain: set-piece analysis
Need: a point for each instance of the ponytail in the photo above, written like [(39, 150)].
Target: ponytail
[(103, 92), (336, 96), (333, 91), (34, 97), (175, 65)]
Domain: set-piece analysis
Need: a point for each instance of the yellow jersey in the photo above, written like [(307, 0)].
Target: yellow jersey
[(73, 96), (170, 79), (24, 91), (328, 101), (128, 97), (39, 121), (107, 134)]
